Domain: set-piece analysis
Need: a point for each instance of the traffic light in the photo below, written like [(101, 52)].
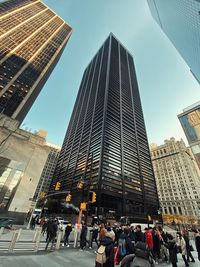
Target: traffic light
[(93, 197), (83, 206), (58, 185), (80, 184), (68, 198)]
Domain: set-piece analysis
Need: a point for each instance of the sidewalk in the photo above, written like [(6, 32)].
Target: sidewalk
[(67, 257)]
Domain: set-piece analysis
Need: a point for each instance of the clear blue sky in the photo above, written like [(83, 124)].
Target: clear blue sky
[(165, 82)]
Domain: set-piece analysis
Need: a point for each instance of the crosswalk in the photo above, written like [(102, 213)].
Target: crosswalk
[(27, 241)]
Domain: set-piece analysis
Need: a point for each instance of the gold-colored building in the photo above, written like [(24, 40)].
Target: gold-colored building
[(178, 182), (32, 39)]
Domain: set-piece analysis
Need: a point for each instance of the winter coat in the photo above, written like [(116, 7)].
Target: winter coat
[(52, 229), (128, 244), (140, 262), (102, 232), (197, 243), (187, 242), (109, 244), (68, 229), (156, 240), (172, 247), (94, 231), (83, 232), (181, 243), (139, 237), (127, 260), (149, 239)]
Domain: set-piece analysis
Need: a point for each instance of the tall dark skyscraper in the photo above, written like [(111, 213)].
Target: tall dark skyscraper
[(106, 143), (180, 20), (32, 39)]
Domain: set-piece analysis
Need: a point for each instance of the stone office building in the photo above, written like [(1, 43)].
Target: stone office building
[(178, 181), (22, 159)]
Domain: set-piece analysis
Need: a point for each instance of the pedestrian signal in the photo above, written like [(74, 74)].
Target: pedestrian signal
[(93, 197), (58, 185), (83, 206), (68, 198)]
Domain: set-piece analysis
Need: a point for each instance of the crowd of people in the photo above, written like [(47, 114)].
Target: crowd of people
[(127, 243)]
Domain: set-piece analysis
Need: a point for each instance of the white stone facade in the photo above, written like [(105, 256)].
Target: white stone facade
[(178, 180), (22, 159)]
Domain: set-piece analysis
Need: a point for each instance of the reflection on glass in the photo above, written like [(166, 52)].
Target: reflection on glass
[(191, 125)]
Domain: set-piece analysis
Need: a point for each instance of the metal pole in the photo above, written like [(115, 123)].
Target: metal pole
[(13, 241), (37, 241), (59, 237), (29, 222), (19, 233), (1, 231), (36, 235), (77, 229)]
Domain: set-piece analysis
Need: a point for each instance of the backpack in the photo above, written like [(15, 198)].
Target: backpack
[(101, 255), (141, 251), (122, 247)]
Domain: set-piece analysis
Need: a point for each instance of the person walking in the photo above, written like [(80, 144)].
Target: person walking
[(173, 250), (156, 244), (125, 246), (139, 236), (149, 239), (197, 242), (107, 244), (188, 246), (68, 230), (83, 236), (52, 232), (95, 231), (182, 245)]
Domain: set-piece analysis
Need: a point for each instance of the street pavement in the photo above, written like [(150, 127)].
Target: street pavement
[(68, 257)]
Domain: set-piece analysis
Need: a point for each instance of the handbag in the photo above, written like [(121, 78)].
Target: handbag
[(191, 248)]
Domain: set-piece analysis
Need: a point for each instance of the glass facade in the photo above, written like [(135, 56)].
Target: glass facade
[(32, 38), (106, 144), (190, 122), (180, 20), (47, 173), (10, 175)]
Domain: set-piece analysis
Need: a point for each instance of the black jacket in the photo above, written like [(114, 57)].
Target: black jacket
[(68, 229), (109, 244), (197, 243), (83, 232), (128, 243), (171, 245), (139, 237)]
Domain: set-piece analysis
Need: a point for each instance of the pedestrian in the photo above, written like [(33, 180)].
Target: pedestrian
[(139, 236), (95, 231), (182, 246), (44, 227), (68, 230), (164, 250), (107, 246), (173, 250), (188, 246), (83, 236), (125, 246), (156, 244), (149, 239), (102, 231), (197, 242), (52, 228)]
